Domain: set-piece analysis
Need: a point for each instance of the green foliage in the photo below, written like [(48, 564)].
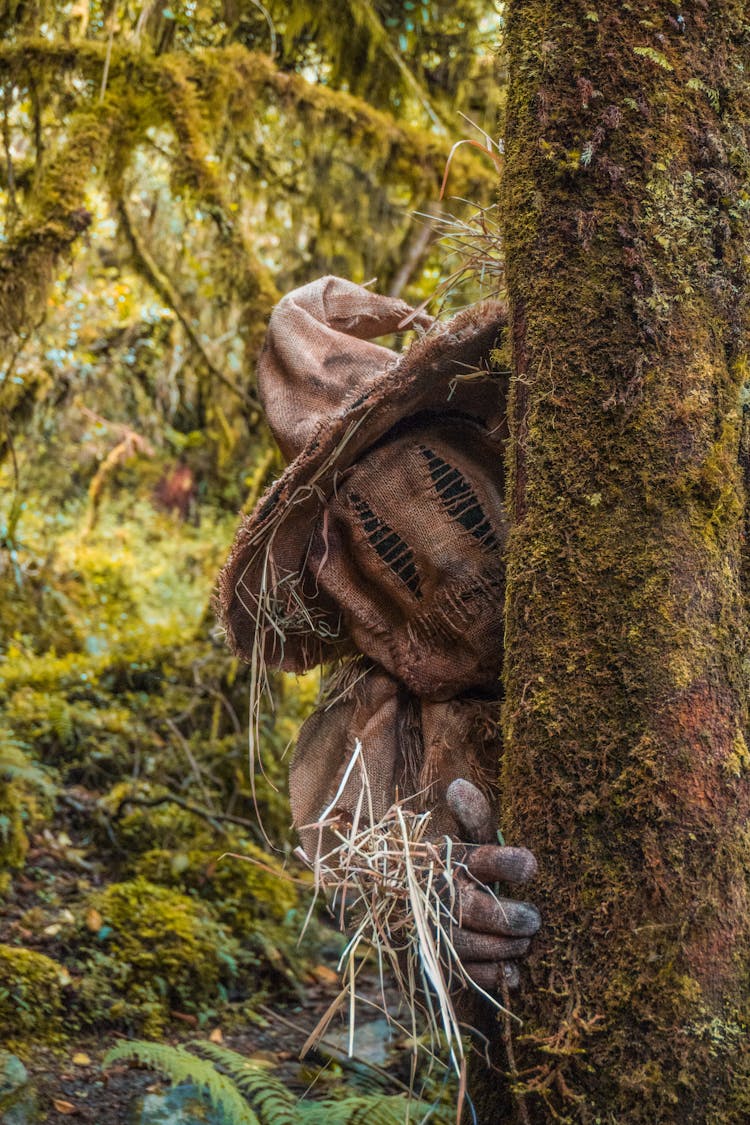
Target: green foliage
[(31, 987), (168, 172), (247, 892), (248, 888), (20, 779), (263, 1095), (268, 1096), (183, 152), (13, 841), (655, 56), (178, 1065), (162, 950), (713, 95)]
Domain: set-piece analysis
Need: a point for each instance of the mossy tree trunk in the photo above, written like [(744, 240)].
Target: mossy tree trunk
[(626, 767)]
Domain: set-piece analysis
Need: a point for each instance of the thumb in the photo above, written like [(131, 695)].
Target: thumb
[(473, 811)]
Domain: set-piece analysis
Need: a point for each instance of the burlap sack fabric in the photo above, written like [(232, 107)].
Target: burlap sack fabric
[(411, 749), (384, 537)]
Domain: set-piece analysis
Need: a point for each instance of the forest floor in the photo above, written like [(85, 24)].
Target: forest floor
[(73, 1085), (126, 811), (69, 1082)]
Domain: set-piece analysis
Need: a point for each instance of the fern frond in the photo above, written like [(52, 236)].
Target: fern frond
[(178, 1065), (268, 1096), (376, 1110), (16, 766)]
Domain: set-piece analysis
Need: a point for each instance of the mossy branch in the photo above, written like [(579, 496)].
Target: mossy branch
[(215, 819), (27, 262), (230, 80), (169, 295)]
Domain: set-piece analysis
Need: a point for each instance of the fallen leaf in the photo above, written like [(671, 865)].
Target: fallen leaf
[(94, 921), (264, 1058), (216, 1036), (66, 1108), (80, 1058), (325, 975)]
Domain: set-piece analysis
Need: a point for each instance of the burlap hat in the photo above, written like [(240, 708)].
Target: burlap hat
[(386, 533)]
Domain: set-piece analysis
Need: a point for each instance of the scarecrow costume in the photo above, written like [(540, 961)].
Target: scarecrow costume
[(385, 537), (380, 549)]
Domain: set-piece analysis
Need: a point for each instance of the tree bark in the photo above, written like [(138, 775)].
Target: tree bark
[(626, 766)]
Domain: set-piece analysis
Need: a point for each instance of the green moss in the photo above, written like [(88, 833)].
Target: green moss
[(142, 829), (13, 841), (250, 894), (247, 889), (159, 950), (31, 988), (738, 761)]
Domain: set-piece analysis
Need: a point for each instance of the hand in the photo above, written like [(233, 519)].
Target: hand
[(493, 932)]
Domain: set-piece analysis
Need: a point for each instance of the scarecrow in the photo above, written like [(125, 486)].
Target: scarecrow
[(380, 551)]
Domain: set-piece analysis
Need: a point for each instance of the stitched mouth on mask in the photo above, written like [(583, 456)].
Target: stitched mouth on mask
[(393, 551), (459, 499), (453, 611)]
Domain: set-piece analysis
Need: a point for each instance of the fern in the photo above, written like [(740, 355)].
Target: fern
[(655, 56), (711, 94), (267, 1095), (178, 1065), (375, 1110), (15, 766), (248, 1095)]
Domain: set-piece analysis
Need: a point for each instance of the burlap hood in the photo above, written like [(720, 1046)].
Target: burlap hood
[(343, 405)]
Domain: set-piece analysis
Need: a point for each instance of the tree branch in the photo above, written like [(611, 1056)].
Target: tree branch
[(163, 286)]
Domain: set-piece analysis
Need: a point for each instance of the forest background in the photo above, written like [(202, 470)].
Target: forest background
[(166, 173)]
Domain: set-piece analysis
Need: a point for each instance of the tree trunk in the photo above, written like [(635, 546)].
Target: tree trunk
[(626, 767)]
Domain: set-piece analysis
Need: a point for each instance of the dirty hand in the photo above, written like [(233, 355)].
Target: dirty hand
[(493, 931)]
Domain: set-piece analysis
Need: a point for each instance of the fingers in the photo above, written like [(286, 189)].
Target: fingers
[(491, 863), (490, 977), (472, 947), (472, 810), (480, 911)]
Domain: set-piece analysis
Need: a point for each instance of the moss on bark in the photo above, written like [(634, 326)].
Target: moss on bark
[(626, 769)]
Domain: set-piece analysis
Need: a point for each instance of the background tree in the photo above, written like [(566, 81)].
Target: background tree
[(626, 766), (224, 170)]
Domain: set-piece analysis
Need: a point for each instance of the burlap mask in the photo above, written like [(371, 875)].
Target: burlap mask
[(386, 533)]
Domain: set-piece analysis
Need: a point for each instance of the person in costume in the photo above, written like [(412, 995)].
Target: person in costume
[(381, 552)]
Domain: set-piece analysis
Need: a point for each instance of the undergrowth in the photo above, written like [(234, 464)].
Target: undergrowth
[(248, 1094)]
